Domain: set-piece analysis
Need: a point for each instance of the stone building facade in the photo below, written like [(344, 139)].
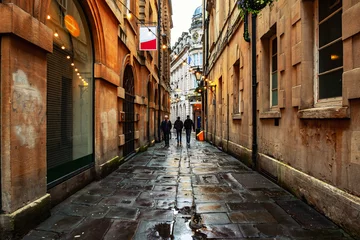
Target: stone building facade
[(307, 85), (186, 56), (78, 97)]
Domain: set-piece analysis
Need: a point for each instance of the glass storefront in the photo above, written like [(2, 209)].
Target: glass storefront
[(70, 92)]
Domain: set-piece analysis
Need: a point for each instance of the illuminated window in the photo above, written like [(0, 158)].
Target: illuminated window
[(330, 49)]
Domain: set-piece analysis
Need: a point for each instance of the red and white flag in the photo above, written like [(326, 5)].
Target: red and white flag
[(148, 39)]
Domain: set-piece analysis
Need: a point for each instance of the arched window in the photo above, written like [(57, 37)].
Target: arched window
[(70, 92)]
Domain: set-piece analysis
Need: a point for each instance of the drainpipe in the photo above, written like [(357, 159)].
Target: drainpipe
[(206, 53), (159, 63), (228, 122), (254, 95)]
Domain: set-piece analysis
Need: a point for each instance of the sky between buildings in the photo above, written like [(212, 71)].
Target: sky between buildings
[(183, 11)]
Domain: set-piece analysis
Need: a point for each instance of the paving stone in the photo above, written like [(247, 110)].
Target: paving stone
[(246, 206), (275, 194), (149, 203), (60, 223), (251, 217), (121, 230), (124, 193), (157, 195), (38, 234), (227, 231), (144, 176), (305, 215), (185, 194), (215, 218), (253, 181), (156, 215), (207, 179), (153, 230), (88, 199), (165, 204), (201, 190), (141, 187), (211, 207), (165, 188), (117, 201), (100, 191), (249, 230), (123, 213), (85, 211), (90, 229), (182, 231), (217, 198)]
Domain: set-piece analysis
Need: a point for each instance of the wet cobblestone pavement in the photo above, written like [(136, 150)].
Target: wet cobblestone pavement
[(180, 193)]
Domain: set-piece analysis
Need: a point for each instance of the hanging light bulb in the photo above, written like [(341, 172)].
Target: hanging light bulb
[(76, 70), (128, 15), (48, 17), (68, 57), (164, 46), (72, 64), (62, 47), (56, 34)]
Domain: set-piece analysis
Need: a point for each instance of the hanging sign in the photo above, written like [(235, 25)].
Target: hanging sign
[(72, 26), (148, 39)]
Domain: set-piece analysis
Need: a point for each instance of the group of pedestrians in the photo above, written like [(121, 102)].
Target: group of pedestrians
[(179, 125)]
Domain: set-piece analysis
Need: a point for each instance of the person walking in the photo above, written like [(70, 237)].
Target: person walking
[(166, 127), (188, 125), (178, 125)]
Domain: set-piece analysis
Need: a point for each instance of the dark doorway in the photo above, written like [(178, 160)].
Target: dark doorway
[(129, 124)]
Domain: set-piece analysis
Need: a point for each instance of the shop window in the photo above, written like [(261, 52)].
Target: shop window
[(69, 93), (329, 50), (273, 72)]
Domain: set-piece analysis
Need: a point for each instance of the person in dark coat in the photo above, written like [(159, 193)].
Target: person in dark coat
[(166, 127), (178, 125), (188, 125)]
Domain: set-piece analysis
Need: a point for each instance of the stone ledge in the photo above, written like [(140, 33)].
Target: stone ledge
[(324, 113), (103, 72), (270, 114), (20, 23), (236, 116), (108, 167), (18, 223)]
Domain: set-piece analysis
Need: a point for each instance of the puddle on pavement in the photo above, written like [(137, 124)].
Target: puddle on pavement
[(162, 230), (185, 211)]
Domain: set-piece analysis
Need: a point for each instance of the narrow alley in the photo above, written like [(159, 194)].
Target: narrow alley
[(180, 193)]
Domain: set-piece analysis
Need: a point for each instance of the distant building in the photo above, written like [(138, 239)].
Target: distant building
[(186, 56)]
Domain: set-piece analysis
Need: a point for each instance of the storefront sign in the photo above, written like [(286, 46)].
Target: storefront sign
[(148, 39)]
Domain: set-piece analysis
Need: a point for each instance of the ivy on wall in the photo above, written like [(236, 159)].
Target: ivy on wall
[(253, 7)]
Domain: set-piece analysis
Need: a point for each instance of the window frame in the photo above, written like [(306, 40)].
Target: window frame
[(325, 102), (271, 55), (236, 88)]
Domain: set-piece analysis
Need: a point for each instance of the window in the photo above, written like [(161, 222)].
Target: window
[(63, 4), (236, 88), (273, 72), (330, 49)]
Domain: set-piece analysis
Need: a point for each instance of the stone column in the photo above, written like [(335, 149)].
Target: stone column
[(25, 41)]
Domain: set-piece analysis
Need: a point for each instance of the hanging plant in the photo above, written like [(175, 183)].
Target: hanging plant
[(253, 6)]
